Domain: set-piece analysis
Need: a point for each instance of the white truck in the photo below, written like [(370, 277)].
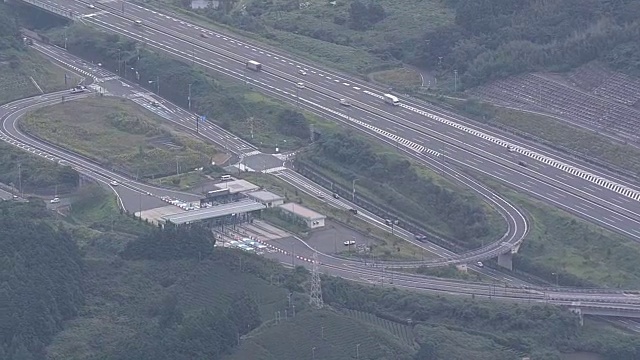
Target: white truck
[(254, 65), (390, 99)]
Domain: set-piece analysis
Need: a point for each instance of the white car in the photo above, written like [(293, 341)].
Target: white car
[(300, 85), (349, 242), (91, 6), (480, 264), (302, 72), (345, 102), (55, 200), (113, 183)]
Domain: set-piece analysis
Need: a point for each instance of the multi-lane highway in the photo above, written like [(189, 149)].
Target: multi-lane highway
[(109, 84), (593, 299), (427, 133)]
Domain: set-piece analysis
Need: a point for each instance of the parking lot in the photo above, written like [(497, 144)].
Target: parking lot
[(335, 238)]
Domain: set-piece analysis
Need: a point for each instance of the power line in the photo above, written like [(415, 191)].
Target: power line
[(316, 289)]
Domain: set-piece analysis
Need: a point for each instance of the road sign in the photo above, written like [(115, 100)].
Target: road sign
[(203, 118)]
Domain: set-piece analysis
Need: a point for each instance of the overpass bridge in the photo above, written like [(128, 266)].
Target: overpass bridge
[(617, 311)]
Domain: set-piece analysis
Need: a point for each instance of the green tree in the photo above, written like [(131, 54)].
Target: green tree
[(293, 123), (171, 243)]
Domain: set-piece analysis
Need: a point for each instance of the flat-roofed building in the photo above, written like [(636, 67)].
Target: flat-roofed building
[(237, 186), (266, 198), (234, 212), (311, 218)]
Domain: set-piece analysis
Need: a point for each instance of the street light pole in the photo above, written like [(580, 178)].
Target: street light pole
[(158, 84), (189, 98), (557, 282), (353, 190), (357, 351), (119, 54)]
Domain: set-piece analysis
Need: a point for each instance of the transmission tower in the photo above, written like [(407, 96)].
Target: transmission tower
[(316, 289)]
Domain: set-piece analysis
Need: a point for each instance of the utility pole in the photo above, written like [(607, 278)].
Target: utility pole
[(357, 351), (189, 98), (455, 80), (177, 166), (353, 190), (20, 179)]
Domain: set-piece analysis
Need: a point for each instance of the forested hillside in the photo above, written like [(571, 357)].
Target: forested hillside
[(482, 39), (40, 280), (496, 38), (8, 29)]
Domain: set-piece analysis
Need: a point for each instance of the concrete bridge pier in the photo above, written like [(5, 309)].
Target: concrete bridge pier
[(506, 260)]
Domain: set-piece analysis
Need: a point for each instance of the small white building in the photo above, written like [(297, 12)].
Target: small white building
[(266, 198), (311, 218)]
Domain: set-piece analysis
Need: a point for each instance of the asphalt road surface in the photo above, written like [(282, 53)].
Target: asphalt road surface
[(594, 194), (4, 195)]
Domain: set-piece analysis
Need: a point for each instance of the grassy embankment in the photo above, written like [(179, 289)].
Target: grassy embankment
[(16, 75), (38, 175), (120, 134), (333, 336)]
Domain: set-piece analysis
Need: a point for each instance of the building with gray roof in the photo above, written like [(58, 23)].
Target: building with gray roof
[(311, 218)]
